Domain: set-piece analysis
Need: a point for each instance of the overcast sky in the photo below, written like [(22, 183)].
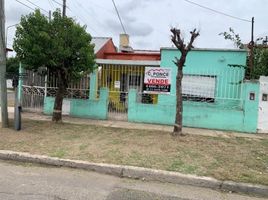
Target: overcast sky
[(148, 21)]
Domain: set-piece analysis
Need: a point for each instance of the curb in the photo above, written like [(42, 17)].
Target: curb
[(139, 173)]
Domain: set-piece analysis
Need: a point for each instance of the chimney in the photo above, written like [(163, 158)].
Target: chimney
[(124, 43)]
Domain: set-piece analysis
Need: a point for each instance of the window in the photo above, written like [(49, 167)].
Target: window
[(198, 88)]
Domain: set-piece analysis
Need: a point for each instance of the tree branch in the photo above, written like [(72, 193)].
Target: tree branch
[(194, 35), (176, 39)]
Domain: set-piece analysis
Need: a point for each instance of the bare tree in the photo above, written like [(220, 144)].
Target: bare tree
[(178, 41)]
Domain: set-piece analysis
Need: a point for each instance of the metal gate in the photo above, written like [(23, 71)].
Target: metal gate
[(119, 79), (33, 92)]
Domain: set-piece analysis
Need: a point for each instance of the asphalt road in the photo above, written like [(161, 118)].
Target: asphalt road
[(23, 182)]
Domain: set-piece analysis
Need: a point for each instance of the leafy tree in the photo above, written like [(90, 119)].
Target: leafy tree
[(235, 38), (178, 41), (13, 65), (260, 54), (260, 62), (61, 45)]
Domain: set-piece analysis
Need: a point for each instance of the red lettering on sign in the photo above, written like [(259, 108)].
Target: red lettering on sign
[(158, 81)]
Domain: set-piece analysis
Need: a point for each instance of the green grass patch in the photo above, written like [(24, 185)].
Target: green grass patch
[(236, 159)]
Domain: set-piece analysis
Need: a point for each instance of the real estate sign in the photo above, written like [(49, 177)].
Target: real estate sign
[(157, 80)]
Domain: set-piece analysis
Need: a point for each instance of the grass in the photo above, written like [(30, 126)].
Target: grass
[(237, 159)]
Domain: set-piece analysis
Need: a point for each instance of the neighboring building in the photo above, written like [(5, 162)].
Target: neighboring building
[(103, 45)]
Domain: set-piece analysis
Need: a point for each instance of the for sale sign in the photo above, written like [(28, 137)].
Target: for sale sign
[(157, 80)]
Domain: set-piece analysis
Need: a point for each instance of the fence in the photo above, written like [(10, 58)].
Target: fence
[(214, 87), (76, 90), (119, 79), (213, 100), (33, 92), (36, 87), (211, 88)]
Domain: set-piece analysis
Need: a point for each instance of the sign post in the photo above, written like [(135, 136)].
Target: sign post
[(15, 83), (157, 80)]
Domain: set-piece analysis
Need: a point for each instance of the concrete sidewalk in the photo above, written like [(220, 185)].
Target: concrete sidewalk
[(138, 126), (141, 126), (10, 113)]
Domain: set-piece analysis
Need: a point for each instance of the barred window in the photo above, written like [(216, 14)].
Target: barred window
[(199, 88)]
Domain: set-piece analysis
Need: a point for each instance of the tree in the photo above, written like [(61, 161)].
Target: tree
[(13, 65), (61, 45), (178, 41), (260, 54), (235, 38), (260, 62)]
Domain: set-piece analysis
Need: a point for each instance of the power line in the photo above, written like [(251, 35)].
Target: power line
[(37, 6), (51, 4), (25, 5), (119, 17), (216, 11), (79, 5), (57, 2), (83, 20)]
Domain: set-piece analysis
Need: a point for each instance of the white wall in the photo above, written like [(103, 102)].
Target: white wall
[(9, 83)]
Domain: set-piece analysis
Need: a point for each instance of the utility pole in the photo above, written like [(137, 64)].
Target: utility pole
[(64, 8), (251, 48), (49, 15), (3, 86)]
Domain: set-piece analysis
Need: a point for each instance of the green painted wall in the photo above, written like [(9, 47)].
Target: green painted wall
[(48, 105), (251, 108), (149, 113), (199, 115), (230, 111), (94, 109), (207, 62)]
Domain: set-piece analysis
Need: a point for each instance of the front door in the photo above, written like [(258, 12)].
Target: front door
[(263, 106)]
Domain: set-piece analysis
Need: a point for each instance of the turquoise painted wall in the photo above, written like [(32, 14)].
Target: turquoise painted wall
[(230, 111), (207, 62), (201, 115), (251, 108), (94, 109), (149, 113), (48, 105)]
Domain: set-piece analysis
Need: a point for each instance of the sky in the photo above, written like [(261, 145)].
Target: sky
[(148, 22)]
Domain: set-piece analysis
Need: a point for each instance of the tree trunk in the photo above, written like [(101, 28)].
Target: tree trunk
[(184, 49), (57, 112), (178, 121)]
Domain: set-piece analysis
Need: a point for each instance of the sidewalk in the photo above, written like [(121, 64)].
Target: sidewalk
[(141, 126), (10, 113), (88, 139), (138, 126)]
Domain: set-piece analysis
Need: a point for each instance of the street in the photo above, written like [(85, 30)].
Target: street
[(24, 181)]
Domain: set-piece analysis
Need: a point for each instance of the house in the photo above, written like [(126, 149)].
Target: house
[(215, 93), (122, 70)]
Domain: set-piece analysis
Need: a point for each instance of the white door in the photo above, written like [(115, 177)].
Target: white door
[(263, 106)]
